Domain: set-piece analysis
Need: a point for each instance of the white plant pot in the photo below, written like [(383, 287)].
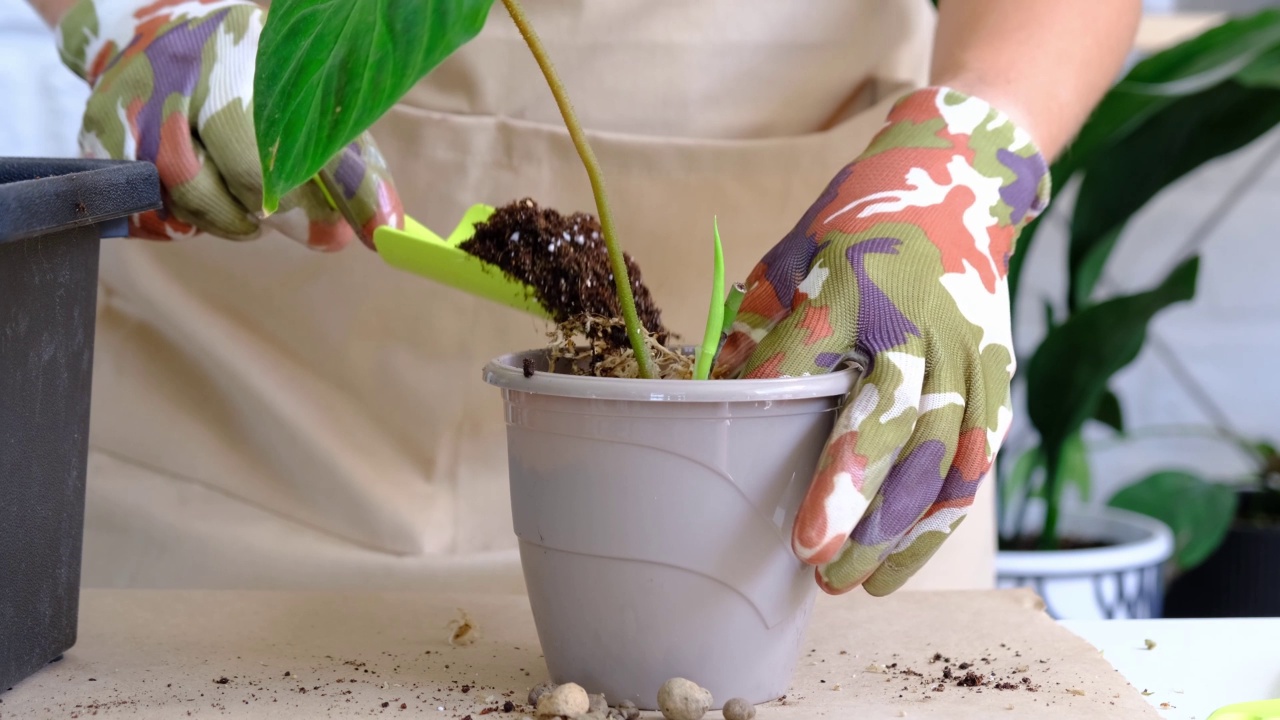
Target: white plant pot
[(1121, 581)]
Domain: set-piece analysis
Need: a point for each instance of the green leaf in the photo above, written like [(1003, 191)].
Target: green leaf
[(1020, 250), (1262, 72), (1074, 467), (1068, 374), (1087, 257), (1198, 512), (1109, 413), (715, 314), (1186, 134), (1202, 99), (328, 69), (1188, 68), (1023, 468)]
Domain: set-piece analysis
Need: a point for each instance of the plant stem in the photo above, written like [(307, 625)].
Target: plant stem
[(1020, 517), (731, 306), (635, 331), (1049, 532)]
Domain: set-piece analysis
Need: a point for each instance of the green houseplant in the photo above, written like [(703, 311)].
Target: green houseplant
[(1227, 530), (584, 451), (1171, 113), (344, 63)]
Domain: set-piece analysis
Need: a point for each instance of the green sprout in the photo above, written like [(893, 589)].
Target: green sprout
[(715, 315)]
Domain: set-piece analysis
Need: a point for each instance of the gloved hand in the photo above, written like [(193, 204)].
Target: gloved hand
[(902, 262), (172, 84)]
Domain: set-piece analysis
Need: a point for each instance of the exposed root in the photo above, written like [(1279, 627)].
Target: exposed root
[(582, 342)]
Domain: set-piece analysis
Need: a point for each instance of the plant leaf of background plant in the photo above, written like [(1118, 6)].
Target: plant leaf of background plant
[(1171, 113), (1198, 512), (1182, 137), (1068, 374)]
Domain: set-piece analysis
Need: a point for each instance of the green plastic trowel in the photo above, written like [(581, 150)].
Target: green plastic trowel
[(418, 250), (1257, 710)]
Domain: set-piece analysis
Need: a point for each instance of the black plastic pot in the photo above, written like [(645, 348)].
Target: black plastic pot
[(1240, 579), (52, 215)]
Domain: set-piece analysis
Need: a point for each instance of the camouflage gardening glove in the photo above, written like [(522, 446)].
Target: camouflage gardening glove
[(902, 262), (172, 84)]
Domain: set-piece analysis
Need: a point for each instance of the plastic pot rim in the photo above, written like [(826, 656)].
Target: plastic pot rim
[(1155, 546), (507, 372)]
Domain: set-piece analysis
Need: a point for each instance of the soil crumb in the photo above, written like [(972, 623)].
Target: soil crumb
[(564, 259)]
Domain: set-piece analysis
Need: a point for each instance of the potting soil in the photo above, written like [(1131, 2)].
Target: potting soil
[(565, 260)]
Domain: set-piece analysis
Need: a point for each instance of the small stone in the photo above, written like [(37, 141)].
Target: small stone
[(539, 690), (681, 699), (738, 709), (1151, 644), (627, 710), (597, 704), (567, 700)]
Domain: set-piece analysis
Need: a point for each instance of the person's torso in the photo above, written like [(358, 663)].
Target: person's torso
[(345, 395)]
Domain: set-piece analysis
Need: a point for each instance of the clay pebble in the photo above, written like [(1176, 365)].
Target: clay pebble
[(738, 709), (681, 699), (538, 691), (568, 700), (627, 710), (597, 704)]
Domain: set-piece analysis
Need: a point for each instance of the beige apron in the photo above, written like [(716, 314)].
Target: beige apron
[(265, 416)]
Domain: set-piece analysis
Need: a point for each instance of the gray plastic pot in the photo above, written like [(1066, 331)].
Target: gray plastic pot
[(654, 523)]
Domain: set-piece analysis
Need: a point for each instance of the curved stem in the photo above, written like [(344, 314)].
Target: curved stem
[(635, 332)]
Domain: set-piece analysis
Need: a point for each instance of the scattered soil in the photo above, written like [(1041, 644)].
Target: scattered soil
[(994, 675), (564, 259)]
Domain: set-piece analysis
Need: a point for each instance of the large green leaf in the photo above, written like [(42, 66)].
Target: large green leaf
[(1023, 469), (1023, 246), (1188, 68), (1262, 72), (1068, 374), (1246, 49), (1186, 134), (1074, 467), (1086, 259), (1173, 112), (1198, 512), (328, 69), (1109, 412)]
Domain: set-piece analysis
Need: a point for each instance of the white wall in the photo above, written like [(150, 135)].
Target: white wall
[(43, 100)]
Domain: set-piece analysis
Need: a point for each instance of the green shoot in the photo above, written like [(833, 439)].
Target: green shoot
[(635, 331), (715, 316), (731, 305)]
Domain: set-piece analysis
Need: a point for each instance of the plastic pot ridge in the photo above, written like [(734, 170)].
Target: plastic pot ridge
[(654, 524)]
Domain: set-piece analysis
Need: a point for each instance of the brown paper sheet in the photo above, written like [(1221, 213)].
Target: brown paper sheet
[(164, 654)]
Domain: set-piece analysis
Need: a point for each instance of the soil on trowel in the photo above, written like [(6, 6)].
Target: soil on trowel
[(565, 261)]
